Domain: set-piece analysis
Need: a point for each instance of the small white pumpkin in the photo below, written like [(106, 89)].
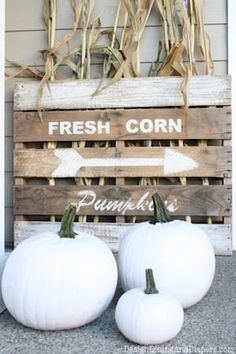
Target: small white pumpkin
[(148, 316), (179, 251), (59, 281)]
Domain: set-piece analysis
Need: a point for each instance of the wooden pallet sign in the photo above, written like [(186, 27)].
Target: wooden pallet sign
[(109, 153)]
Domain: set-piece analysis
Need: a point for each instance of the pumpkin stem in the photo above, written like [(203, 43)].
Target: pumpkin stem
[(160, 212), (67, 222), (150, 283)]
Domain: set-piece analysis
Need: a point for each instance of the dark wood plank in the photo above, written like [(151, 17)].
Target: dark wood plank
[(198, 161), (122, 200), (133, 124)]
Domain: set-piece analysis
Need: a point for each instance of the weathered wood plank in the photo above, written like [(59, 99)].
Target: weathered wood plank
[(200, 161), (198, 200), (138, 124), (219, 235), (203, 90)]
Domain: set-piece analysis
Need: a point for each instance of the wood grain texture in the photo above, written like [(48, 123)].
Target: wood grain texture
[(219, 235), (96, 71), (209, 161), (203, 90), (180, 200), (132, 124)]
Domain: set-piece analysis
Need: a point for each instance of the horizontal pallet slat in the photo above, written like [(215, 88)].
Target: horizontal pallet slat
[(162, 123), (138, 92), (122, 200), (126, 162), (219, 234), (96, 71)]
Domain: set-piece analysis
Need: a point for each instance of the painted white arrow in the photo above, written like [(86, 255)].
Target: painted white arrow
[(71, 162)]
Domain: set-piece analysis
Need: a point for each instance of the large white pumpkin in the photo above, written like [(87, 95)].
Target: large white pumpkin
[(53, 282), (148, 316), (179, 252)]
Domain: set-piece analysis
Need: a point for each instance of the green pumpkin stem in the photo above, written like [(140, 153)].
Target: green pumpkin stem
[(161, 214), (67, 222), (150, 283)]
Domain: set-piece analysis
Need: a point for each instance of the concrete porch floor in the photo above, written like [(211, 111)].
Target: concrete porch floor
[(209, 327)]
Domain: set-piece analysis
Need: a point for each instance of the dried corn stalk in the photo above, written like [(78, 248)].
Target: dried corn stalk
[(138, 13), (52, 55), (25, 71), (202, 38)]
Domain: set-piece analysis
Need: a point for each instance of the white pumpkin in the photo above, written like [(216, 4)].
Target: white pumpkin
[(59, 281), (148, 316), (178, 251)]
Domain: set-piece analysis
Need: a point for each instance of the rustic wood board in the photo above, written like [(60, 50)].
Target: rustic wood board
[(131, 124), (124, 162), (219, 234), (203, 90), (122, 200)]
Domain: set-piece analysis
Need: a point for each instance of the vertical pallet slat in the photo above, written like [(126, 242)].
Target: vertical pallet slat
[(120, 182), (51, 181), (227, 181), (80, 181)]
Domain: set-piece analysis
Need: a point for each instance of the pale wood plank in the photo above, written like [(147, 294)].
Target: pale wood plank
[(132, 124), (220, 68), (198, 200), (137, 92), (220, 235), (207, 161)]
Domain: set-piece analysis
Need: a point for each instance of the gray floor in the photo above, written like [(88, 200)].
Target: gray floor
[(209, 327)]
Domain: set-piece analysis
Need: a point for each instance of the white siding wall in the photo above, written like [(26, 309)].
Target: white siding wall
[(25, 35)]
